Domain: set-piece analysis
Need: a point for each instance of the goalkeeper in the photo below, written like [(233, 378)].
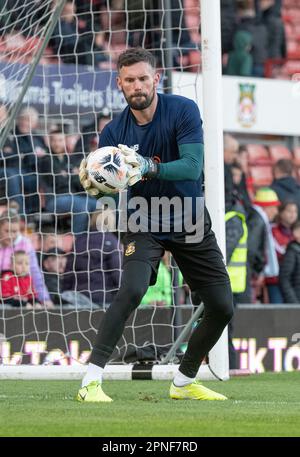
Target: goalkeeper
[(164, 139)]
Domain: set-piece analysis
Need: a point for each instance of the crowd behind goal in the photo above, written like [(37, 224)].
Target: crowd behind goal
[(48, 224)]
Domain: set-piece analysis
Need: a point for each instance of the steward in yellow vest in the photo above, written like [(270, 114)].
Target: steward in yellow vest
[(236, 248)]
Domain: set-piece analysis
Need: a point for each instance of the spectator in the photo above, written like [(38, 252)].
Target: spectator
[(261, 246), (60, 185), (289, 275), (247, 181), (228, 24), (16, 283), (94, 266), (284, 184), (95, 52), (88, 12), (269, 13), (231, 147), (239, 185), (248, 22), (113, 23), (10, 177), (240, 60), (54, 264), (12, 240), (28, 147), (67, 36), (282, 234), (182, 41), (282, 229)]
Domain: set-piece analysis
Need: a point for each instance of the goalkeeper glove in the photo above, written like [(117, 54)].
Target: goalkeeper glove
[(140, 166), (86, 182)]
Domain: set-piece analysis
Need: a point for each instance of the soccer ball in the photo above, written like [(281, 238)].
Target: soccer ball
[(107, 169)]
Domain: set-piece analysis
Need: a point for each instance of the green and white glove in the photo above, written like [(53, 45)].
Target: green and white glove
[(86, 182), (140, 166)]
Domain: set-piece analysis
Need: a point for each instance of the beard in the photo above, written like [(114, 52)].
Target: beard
[(140, 101)]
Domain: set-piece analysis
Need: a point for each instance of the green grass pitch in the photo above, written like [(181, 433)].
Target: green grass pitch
[(259, 405)]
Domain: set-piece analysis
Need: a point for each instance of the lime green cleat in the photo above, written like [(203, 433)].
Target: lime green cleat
[(92, 393), (194, 391)]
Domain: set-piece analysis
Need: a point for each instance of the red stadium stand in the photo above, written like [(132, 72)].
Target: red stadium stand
[(261, 176), (296, 158), (278, 152)]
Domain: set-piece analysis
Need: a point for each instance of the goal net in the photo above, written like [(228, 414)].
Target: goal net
[(47, 222)]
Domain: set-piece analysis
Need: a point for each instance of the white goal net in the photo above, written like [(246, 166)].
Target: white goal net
[(48, 225)]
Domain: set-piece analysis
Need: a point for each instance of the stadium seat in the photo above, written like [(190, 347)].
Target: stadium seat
[(261, 175), (278, 152), (258, 155)]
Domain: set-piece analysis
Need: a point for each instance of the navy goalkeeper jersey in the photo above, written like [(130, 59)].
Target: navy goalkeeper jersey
[(176, 121)]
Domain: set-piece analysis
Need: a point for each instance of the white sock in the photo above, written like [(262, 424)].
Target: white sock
[(94, 373), (181, 380)]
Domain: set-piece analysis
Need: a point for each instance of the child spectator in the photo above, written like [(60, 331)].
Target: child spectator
[(282, 234), (282, 229), (16, 283), (289, 276), (240, 60), (12, 240), (54, 265)]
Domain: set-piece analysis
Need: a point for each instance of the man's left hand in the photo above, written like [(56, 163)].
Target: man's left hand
[(140, 166)]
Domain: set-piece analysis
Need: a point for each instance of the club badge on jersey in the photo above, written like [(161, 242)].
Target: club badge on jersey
[(130, 249)]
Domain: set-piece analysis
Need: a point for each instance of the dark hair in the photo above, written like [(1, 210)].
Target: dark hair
[(285, 166), (53, 252), (285, 204), (237, 165), (296, 225), (135, 55), (20, 252)]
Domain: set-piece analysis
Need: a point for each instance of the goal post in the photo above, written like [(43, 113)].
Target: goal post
[(76, 91), (213, 140)]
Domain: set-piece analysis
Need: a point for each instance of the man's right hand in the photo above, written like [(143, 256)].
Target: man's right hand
[(86, 182)]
